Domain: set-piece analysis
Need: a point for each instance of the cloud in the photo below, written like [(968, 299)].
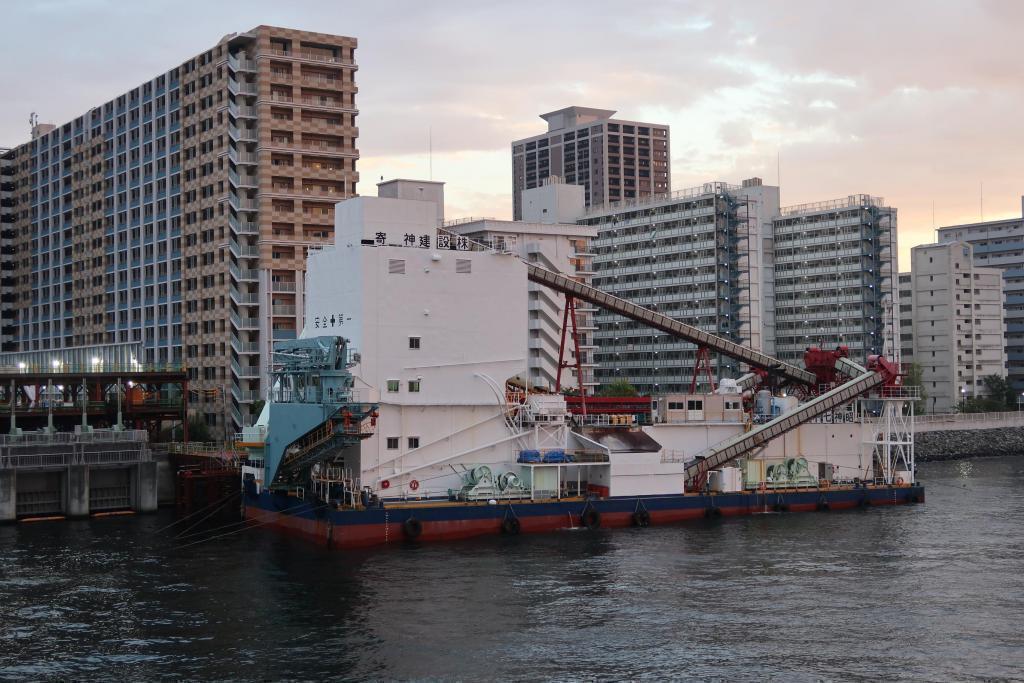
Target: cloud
[(916, 100)]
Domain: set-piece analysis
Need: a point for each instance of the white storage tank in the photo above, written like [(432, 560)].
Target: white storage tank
[(715, 481), (732, 480)]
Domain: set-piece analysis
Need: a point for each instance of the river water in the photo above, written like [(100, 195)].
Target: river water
[(926, 592)]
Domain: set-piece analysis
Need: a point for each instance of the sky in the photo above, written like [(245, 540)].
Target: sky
[(915, 101)]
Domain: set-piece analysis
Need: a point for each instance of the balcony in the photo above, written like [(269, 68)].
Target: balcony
[(244, 275), (308, 56), (244, 250), (245, 323), (283, 310), (244, 227), (241, 64), (241, 347), (240, 158), (246, 371), (245, 395), (243, 88), (247, 299), (282, 286), (324, 102)]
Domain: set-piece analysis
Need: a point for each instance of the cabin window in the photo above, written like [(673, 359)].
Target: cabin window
[(414, 342), (414, 442), (393, 385), (414, 385), (392, 443), (695, 405)]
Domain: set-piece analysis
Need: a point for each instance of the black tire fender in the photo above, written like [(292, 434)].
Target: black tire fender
[(412, 528)]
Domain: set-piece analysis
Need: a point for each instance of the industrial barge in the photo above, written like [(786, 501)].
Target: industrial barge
[(430, 433)]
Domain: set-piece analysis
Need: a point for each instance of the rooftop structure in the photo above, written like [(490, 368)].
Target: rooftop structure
[(612, 159)]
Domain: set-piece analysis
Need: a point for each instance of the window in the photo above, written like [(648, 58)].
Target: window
[(695, 405), (392, 443), (414, 442), (414, 342), (414, 385), (393, 385)]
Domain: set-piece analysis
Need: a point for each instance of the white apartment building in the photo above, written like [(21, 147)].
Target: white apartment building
[(549, 238), (957, 312), (1000, 244), (906, 298), (835, 276), (703, 256)]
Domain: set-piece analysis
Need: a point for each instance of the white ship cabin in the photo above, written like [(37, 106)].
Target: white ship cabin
[(687, 408), (441, 325)]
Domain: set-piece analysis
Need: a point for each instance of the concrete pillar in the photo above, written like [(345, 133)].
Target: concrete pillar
[(145, 487), (8, 495), (77, 491)]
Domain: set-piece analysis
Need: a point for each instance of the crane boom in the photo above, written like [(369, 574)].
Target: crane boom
[(627, 309)]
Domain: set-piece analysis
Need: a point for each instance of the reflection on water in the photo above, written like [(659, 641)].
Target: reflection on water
[(933, 591)]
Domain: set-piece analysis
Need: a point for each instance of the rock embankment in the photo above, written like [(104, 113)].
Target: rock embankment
[(957, 444)]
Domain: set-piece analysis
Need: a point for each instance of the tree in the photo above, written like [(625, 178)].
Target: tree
[(619, 387), (913, 378), (197, 431), (1000, 393), (999, 396)]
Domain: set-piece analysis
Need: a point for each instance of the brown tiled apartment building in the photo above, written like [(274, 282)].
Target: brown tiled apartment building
[(178, 214), (614, 160)]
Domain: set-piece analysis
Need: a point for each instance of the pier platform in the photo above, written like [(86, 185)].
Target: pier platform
[(76, 474)]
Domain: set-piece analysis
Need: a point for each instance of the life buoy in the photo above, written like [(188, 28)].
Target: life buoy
[(412, 528), (385, 484), (825, 483), (642, 518), (510, 526), (413, 485), (899, 481), (591, 518)]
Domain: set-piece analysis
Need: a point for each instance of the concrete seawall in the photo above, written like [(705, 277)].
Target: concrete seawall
[(957, 444)]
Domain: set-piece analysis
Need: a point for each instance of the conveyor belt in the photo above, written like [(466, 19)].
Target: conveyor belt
[(671, 326), (730, 449)]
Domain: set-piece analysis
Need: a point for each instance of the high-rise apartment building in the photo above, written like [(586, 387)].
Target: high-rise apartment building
[(178, 214), (702, 256), (957, 314), (1000, 244), (614, 160), (8, 249), (549, 238), (906, 299), (835, 278)]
